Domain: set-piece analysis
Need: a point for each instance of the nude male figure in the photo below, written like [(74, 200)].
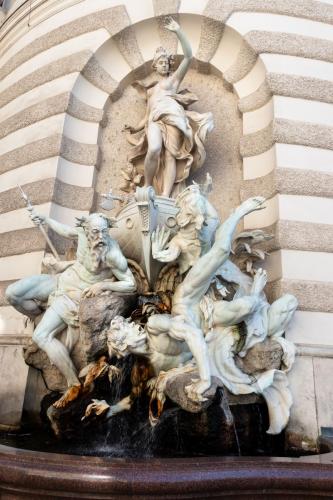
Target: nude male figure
[(98, 263), (186, 322)]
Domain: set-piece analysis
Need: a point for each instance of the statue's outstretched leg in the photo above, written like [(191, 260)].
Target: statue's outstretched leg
[(27, 294), (44, 336), (154, 137), (169, 174)]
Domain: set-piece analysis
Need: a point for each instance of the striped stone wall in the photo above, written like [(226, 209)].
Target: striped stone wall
[(61, 60)]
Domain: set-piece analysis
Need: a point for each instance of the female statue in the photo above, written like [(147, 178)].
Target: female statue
[(170, 138)]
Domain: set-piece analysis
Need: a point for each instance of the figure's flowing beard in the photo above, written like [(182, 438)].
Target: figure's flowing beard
[(98, 255)]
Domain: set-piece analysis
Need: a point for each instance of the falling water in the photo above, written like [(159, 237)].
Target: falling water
[(215, 431)]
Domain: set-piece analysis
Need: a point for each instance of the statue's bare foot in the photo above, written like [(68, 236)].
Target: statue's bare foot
[(70, 395), (251, 205), (259, 282), (194, 391)]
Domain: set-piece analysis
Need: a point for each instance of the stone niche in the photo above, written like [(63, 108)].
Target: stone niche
[(223, 160)]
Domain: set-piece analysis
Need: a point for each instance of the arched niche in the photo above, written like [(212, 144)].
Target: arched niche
[(223, 159), (222, 83)]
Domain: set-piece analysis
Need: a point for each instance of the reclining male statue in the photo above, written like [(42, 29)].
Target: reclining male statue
[(98, 263)]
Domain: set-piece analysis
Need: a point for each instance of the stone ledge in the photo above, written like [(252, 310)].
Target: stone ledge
[(19, 340), (78, 152), (299, 235), (210, 38), (257, 142), (305, 134), (22, 473), (128, 47), (314, 351), (301, 87)]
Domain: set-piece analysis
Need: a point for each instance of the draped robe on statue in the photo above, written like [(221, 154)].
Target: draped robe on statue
[(183, 132)]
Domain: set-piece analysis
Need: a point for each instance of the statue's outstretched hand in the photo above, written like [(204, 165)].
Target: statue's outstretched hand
[(159, 239), (171, 25), (251, 205), (96, 408), (93, 290), (49, 261)]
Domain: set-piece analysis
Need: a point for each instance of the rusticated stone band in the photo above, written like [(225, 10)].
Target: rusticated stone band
[(22, 241), (43, 191), (289, 181), (47, 73), (311, 295), (290, 44), (307, 9), (114, 20), (287, 132)]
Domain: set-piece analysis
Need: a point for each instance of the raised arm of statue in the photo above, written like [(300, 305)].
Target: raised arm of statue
[(179, 74), (61, 229)]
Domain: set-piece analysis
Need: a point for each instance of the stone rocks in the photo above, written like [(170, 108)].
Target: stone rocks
[(86, 343), (38, 359), (95, 315), (175, 390), (266, 355)]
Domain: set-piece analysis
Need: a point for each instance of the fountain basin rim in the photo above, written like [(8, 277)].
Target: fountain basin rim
[(35, 473)]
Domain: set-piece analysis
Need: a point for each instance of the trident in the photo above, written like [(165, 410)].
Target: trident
[(41, 228)]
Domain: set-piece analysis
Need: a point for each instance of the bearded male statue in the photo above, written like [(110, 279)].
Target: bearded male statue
[(99, 267)]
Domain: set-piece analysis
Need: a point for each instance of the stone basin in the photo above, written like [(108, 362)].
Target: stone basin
[(33, 475)]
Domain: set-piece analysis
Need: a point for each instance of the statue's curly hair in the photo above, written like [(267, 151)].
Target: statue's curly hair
[(83, 221), (162, 52)]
